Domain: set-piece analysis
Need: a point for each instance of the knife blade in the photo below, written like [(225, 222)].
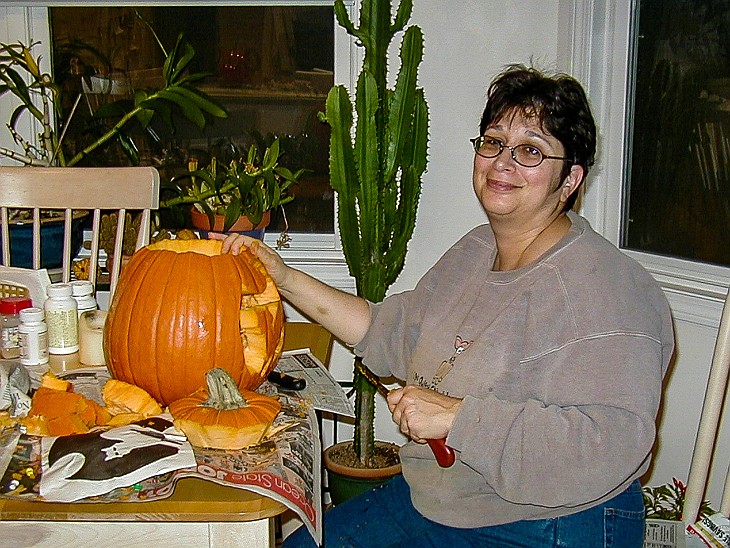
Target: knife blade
[(444, 454)]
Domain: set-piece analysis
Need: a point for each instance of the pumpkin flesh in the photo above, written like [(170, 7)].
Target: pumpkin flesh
[(179, 309)]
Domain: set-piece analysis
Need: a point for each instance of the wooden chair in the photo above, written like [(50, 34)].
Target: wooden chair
[(70, 190), (707, 431), (309, 335)]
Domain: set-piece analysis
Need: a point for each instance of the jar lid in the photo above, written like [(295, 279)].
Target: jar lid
[(59, 290), (80, 288), (13, 305), (31, 315)]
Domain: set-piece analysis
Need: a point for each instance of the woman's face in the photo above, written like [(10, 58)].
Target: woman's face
[(526, 194)]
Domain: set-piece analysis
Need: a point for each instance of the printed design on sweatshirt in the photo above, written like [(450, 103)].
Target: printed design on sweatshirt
[(460, 345)]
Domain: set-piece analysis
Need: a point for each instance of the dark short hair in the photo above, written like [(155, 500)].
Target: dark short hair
[(558, 103)]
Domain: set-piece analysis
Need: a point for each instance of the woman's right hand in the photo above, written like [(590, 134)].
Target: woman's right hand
[(271, 260)]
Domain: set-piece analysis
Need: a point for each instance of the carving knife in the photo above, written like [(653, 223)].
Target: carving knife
[(444, 454)]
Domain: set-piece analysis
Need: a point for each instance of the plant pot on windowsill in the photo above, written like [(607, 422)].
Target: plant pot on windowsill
[(243, 226), (346, 481)]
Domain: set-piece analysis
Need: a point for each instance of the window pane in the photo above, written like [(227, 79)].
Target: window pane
[(679, 175), (270, 67)]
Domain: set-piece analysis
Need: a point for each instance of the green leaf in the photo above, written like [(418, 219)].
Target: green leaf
[(168, 65), (189, 109), (117, 109), (160, 107), (183, 62), (232, 214), (20, 89), (144, 117), (271, 156), (16, 115), (129, 148), (201, 101), (343, 18)]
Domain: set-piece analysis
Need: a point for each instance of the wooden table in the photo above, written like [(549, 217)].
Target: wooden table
[(198, 514)]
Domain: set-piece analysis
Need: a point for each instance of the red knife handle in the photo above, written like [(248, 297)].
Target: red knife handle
[(444, 454)]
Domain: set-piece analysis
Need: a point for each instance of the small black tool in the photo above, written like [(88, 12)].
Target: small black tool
[(287, 381)]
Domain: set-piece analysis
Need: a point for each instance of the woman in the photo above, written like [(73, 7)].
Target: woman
[(533, 345)]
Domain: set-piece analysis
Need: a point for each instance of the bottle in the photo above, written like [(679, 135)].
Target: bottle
[(83, 293), (33, 337), (62, 319), (10, 308)]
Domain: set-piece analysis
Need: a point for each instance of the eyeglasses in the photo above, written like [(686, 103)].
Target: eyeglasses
[(525, 155)]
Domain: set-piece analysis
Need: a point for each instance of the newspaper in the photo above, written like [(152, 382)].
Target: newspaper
[(322, 391), (285, 467), (660, 533)]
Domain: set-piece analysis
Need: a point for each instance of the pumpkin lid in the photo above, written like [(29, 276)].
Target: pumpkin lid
[(13, 305)]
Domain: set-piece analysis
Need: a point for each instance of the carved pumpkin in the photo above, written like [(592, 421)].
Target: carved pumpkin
[(181, 307), (222, 417)]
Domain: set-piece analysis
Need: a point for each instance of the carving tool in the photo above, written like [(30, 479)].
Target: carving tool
[(444, 454), (287, 382)]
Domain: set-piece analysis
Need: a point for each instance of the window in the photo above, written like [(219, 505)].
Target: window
[(318, 254), (270, 67), (678, 174)]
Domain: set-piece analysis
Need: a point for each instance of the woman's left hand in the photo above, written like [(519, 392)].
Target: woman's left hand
[(422, 414)]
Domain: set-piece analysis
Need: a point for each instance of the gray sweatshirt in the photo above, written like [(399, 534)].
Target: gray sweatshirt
[(559, 365)]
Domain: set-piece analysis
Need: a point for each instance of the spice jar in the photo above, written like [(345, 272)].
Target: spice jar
[(83, 293), (10, 308), (62, 319), (33, 337)]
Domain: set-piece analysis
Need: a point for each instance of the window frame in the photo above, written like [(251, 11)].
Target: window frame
[(319, 254), (695, 290)]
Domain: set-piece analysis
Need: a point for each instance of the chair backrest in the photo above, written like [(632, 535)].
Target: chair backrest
[(299, 335), (72, 191), (707, 430)]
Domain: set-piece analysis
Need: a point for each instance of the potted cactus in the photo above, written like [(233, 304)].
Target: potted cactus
[(377, 169)]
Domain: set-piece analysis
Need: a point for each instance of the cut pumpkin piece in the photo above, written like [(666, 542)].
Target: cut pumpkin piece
[(123, 397), (50, 380), (67, 425)]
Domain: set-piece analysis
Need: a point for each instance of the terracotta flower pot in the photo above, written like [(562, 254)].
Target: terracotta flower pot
[(202, 222)]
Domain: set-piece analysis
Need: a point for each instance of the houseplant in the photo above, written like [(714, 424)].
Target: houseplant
[(667, 501), (41, 98), (220, 194), (377, 170)]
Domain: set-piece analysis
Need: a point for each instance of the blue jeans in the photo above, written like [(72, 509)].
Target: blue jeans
[(385, 517)]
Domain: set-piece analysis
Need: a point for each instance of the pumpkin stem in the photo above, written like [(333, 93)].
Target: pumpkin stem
[(222, 391)]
